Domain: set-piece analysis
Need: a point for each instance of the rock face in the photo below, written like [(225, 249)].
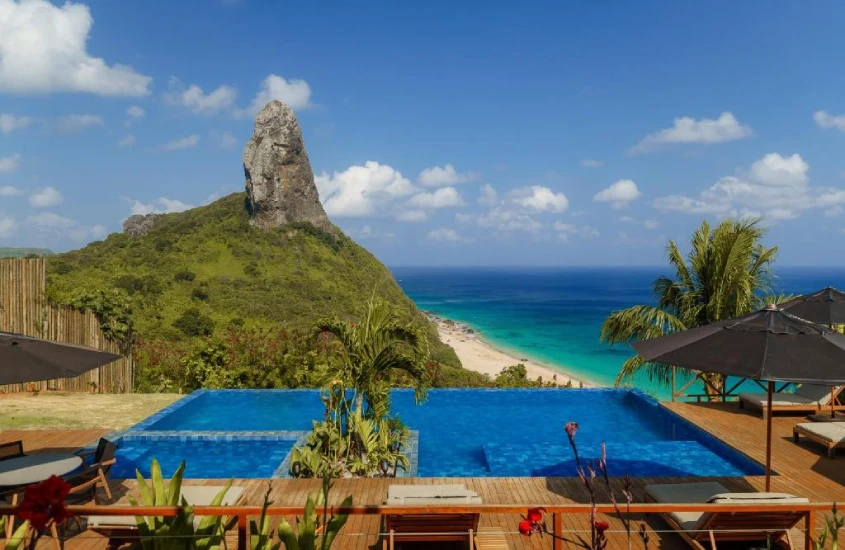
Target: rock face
[(279, 181), (140, 224)]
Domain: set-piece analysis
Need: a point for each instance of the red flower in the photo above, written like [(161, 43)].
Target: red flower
[(525, 528), (571, 429), (45, 502), (601, 527), (535, 515)]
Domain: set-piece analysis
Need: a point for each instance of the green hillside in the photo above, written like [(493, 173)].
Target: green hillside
[(206, 269), (23, 252)]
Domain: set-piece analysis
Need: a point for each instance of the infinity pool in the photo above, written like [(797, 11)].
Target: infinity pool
[(461, 433)]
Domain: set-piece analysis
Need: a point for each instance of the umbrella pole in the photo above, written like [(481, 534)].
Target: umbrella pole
[(770, 391)]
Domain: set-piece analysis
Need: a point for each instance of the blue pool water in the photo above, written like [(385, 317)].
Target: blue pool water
[(462, 433), (205, 457)]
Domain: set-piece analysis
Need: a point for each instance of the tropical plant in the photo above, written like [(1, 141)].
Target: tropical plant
[(726, 274), (176, 532), (313, 531), (382, 344), (346, 442), (832, 525)]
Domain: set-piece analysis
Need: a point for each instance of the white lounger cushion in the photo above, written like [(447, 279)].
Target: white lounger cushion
[(195, 495), (830, 431), (807, 394), (710, 492), (431, 494)]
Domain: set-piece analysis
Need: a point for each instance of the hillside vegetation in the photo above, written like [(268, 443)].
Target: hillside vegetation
[(23, 252), (207, 271)]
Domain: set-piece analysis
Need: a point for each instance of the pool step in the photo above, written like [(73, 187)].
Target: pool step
[(650, 459)]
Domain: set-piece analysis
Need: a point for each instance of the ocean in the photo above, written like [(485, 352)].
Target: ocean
[(554, 315)]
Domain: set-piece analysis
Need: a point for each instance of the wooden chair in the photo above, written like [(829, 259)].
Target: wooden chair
[(429, 528), (703, 530), (103, 460), (13, 449), (829, 434), (809, 398)]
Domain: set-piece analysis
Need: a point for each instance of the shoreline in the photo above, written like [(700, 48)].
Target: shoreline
[(479, 355)]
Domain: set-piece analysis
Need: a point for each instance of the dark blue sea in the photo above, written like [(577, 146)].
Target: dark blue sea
[(554, 315)]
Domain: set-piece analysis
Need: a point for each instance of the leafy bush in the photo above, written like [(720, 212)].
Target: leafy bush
[(114, 311), (516, 376), (200, 294), (193, 323), (176, 532), (184, 275)]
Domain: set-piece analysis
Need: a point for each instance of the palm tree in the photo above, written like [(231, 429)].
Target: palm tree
[(725, 275), (374, 349)]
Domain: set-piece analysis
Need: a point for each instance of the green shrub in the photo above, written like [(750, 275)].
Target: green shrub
[(200, 294), (184, 275), (192, 322)]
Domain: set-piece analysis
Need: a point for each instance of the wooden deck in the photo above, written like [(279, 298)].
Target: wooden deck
[(801, 469)]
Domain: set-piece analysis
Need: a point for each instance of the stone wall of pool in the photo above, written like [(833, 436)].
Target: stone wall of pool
[(456, 433)]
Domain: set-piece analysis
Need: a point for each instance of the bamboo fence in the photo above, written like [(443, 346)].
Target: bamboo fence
[(24, 310)]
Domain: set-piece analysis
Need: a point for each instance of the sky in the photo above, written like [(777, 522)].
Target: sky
[(440, 133)]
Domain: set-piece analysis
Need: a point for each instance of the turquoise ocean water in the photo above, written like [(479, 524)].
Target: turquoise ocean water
[(554, 315)]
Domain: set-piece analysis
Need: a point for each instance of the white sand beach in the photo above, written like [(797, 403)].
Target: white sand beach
[(478, 355)]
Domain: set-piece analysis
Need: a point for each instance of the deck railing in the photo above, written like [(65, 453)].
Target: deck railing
[(242, 514)]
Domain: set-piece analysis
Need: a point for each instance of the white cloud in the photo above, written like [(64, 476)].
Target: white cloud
[(651, 224), (446, 197), (43, 50), (566, 230), (224, 140), (774, 169), (540, 199), (826, 120), (834, 211), (9, 123), (296, 93), (9, 191), (775, 186), (413, 216), (619, 194), (440, 176), (136, 111), (53, 225), (502, 220), (45, 198), (591, 163), (688, 130), (69, 124), (10, 164), (488, 196), (161, 205), (648, 224), (446, 235), (197, 101), (362, 190), (8, 226), (127, 141), (180, 144)]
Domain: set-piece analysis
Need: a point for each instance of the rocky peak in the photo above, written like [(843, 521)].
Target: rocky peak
[(140, 224), (279, 181)]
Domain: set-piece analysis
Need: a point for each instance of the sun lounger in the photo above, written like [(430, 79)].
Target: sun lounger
[(124, 529), (829, 434), (698, 528), (807, 398), (429, 527)]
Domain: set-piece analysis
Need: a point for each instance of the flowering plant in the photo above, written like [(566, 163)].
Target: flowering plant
[(43, 506), (533, 523)]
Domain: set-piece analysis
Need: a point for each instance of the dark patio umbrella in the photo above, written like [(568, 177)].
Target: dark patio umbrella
[(27, 359), (827, 306), (767, 345)]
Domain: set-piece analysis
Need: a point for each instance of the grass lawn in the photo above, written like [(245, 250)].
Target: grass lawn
[(69, 411)]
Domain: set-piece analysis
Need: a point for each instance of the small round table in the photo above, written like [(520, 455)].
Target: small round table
[(24, 470)]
